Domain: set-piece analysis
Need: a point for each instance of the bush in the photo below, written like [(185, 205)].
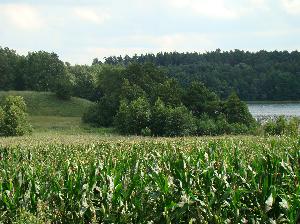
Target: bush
[(219, 126), (237, 111), (270, 127), (1, 119), (222, 125), (14, 117), (179, 122), (64, 86), (146, 131), (238, 128), (133, 117), (158, 118), (282, 126), (293, 126), (206, 126), (100, 114)]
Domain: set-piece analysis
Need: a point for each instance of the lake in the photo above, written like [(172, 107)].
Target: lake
[(262, 110)]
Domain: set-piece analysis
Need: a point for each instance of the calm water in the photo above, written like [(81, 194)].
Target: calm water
[(269, 109)]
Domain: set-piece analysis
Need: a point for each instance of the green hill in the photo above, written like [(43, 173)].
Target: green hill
[(47, 104)]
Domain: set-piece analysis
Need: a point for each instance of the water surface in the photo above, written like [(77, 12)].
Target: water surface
[(274, 109)]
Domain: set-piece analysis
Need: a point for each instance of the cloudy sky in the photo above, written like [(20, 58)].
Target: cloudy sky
[(81, 30)]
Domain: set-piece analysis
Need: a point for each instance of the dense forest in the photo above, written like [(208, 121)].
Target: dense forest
[(254, 76)]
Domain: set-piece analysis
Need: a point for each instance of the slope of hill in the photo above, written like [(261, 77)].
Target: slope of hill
[(47, 104)]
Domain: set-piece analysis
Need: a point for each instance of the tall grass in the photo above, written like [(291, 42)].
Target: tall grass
[(188, 180)]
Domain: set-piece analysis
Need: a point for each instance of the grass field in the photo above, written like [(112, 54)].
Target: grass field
[(47, 104), (87, 179), (49, 114)]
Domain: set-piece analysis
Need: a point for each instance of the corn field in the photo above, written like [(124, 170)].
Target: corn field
[(181, 180)]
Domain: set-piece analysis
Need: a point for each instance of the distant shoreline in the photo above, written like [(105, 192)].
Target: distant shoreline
[(272, 102)]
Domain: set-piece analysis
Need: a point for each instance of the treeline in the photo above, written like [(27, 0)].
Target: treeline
[(140, 99), (136, 98), (43, 71), (254, 76)]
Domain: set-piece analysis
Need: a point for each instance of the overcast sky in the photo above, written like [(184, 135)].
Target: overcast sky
[(79, 31)]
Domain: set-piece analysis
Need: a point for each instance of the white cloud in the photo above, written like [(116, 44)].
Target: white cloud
[(173, 42), (91, 15), (220, 9), (216, 9), (291, 6), (22, 16)]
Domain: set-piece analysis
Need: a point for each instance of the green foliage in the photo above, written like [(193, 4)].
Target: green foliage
[(43, 71), (219, 126), (282, 126), (169, 92), (133, 117), (131, 92), (100, 114), (293, 127), (138, 180), (172, 109), (15, 120), (199, 100), (2, 115), (258, 75), (84, 81), (237, 111), (179, 122), (10, 68), (206, 125), (64, 87), (146, 132), (159, 115)]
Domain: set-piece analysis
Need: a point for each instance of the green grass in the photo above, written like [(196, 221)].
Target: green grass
[(65, 125), (48, 114), (47, 104), (85, 179)]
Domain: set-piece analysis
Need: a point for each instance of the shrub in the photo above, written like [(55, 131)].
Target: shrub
[(238, 128), (158, 118), (269, 127), (15, 119), (282, 126), (1, 119), (146, 131), (293, 126), (179, 122), (222, 125), (64, 86), (121, 120), (206, 125), (100, 114), (133, 117), (237, 111)]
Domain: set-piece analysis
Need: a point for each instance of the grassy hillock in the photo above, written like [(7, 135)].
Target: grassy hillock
[(47, 104), (48, 114)]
